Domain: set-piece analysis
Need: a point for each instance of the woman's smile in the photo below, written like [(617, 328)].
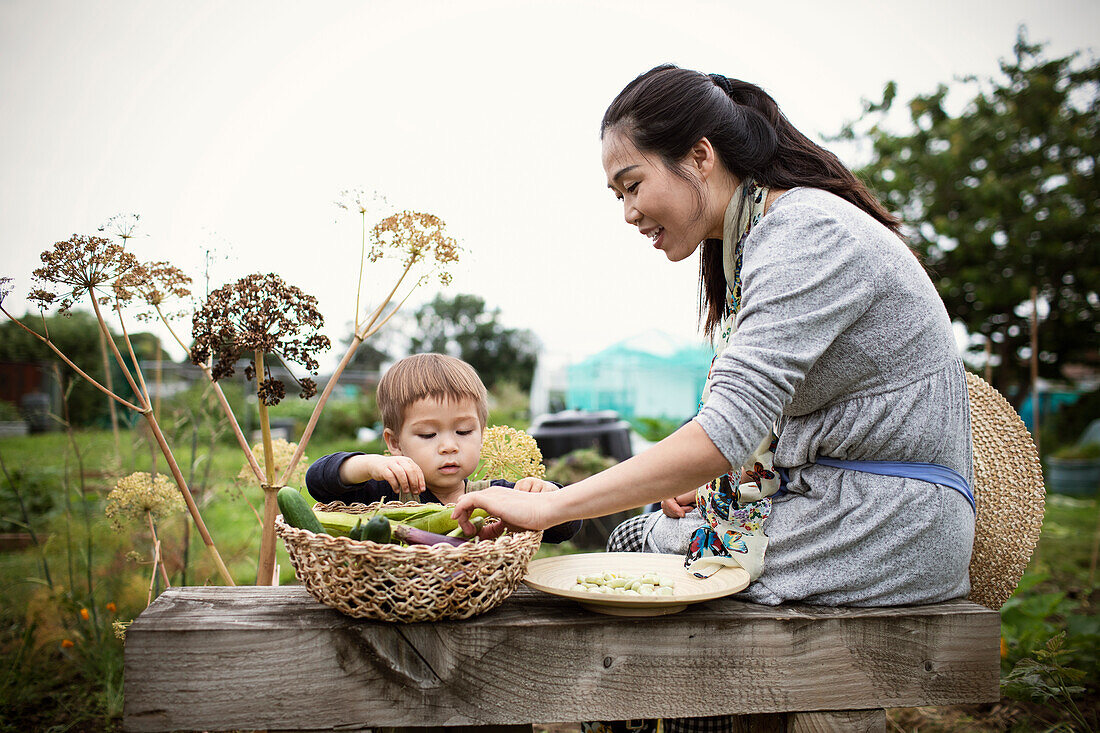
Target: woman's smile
[(655, 235), (655, 195)]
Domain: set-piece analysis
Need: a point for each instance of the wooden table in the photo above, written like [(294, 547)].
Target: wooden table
[(218, 658)]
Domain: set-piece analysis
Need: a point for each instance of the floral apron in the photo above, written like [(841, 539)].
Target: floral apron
[(735, 505)]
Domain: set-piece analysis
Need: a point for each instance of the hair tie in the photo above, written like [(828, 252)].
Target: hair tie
[(722, 83)]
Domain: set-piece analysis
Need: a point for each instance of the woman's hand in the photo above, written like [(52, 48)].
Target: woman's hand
[(516, 509)]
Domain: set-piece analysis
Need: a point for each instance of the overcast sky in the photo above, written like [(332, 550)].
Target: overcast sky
[(233, 127)]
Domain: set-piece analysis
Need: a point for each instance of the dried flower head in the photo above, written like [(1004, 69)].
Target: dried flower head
[(271, 391), (78, 266), (281, 452), (139, 494), (359, 201), (154, 284), (509, 454), (5, 288), (122, 226), (415, 237), (259, 313), (119, 628)]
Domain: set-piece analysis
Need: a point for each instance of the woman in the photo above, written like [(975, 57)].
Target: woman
[(836, 414)]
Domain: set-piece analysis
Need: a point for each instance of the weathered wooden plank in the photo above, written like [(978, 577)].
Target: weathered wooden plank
[(224, 658)]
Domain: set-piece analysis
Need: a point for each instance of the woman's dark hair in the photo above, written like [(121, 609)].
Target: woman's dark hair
[(667, 110)]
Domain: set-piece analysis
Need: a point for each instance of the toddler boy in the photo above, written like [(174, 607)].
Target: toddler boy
[(434, 409)]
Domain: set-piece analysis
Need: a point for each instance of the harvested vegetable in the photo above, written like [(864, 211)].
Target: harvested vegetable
[(378, 530), (478, 523), (296, 512), (416, 536), (646, 584), (430, 517)]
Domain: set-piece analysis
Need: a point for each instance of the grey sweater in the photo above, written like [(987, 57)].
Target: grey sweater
[(843, 343)]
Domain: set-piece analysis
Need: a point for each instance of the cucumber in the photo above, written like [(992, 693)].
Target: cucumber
[(296, 512), (377, 530)]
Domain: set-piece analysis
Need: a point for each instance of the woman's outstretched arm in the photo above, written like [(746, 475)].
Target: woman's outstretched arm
[(680, 462)]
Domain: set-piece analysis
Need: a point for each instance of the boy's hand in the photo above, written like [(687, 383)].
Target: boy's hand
[(534, 485), (400, 472), (678, 506)]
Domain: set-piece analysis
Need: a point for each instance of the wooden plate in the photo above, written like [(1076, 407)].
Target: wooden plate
[(558, 575)]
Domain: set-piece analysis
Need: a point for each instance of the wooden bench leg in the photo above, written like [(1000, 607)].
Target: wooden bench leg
[(760, 723), (837, 721), (821, 721)]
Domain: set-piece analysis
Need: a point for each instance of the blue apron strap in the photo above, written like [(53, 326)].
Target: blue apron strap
[(933, 473)]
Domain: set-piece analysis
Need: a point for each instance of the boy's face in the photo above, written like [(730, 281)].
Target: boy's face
[(443, 437)]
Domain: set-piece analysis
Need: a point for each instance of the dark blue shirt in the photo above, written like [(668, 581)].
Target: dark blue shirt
[(325, 485)]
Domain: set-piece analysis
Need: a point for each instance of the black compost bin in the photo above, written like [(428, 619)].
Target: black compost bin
[(36, 410), (563, 432)]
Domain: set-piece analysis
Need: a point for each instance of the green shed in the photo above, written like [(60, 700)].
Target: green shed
[(652, 374)]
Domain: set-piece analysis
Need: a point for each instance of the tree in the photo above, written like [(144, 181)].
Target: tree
[(1001, 198), (76, 334), (382, 346), (462, 327)]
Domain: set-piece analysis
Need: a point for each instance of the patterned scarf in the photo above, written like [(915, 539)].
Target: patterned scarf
[(735, 505)]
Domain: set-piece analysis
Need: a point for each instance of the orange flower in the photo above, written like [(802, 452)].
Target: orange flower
[(1004, 648), (84, 614), (67, 644), (112, 607)]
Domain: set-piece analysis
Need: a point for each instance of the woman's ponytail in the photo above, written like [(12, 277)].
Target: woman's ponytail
[(668, 109)]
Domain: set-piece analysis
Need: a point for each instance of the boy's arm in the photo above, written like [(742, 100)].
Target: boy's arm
[(686, 499), (326, 481), (400, 472)]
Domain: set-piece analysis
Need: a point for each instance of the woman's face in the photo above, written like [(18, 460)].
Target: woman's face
[(672, 212)]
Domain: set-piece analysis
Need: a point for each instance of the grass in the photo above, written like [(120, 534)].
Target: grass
[(62, 664)]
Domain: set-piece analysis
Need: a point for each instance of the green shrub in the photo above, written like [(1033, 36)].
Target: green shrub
[(577, 465), (1078, 451), (36, 487), (509, 405), (654, 429), (9, 412), (1066, 426)]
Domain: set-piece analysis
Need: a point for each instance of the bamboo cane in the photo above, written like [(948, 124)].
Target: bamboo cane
[(110, 403), (192, 507), (1035, 368)]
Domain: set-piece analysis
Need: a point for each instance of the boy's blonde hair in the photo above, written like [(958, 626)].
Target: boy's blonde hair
[(421, 376)]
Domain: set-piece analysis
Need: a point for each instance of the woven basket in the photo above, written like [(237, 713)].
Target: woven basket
[(415, 583)]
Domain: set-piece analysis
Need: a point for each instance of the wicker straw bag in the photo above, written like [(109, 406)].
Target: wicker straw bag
[(415, 583), (1008, 494)]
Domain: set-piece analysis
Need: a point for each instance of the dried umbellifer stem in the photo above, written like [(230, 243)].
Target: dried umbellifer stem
[(256, 316), (80, 266), (417, 239)]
